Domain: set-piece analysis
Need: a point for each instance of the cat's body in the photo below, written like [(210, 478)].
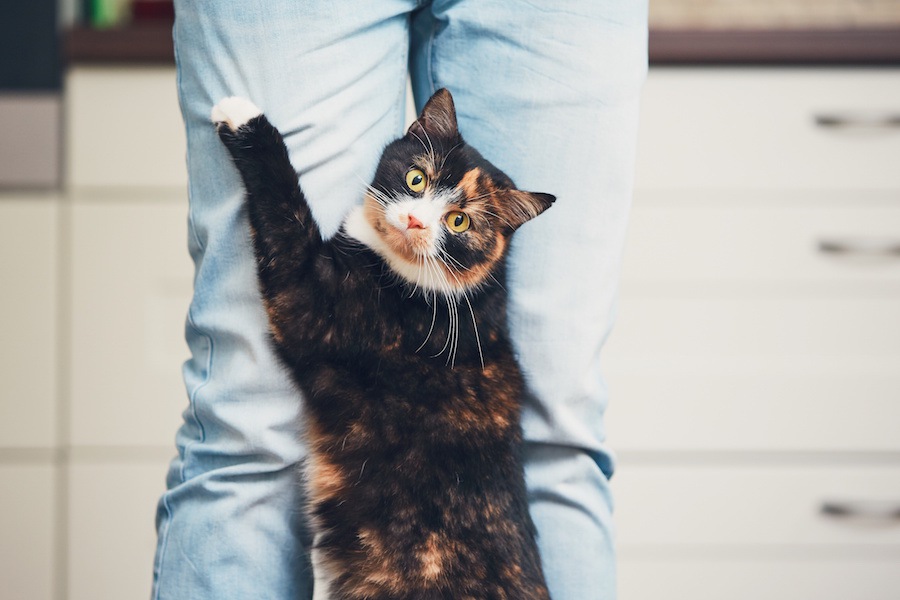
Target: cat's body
[(411, 387)]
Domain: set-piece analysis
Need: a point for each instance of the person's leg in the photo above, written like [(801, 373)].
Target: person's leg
[(331, 76), (548, 91)]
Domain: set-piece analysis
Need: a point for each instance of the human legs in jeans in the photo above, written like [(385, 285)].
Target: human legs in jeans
[(548, 92)]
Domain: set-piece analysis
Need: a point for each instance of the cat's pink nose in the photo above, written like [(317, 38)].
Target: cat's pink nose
[(414, 223)]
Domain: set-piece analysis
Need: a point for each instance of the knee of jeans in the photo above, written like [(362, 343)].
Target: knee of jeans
[(246, 431), (555, 469)]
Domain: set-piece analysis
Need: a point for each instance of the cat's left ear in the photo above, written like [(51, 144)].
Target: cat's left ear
[(521, 206), (438, 118)]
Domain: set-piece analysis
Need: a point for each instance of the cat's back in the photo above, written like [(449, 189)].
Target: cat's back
[(415, 478)]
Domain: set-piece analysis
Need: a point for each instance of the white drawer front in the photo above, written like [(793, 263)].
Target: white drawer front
[(28, 309), (111, 537), (756, 129), (26, 532), (743, 505), (771, 578), (124, 128), (713, 325), (793, 373), (754, 404), (768, 238), (131, 280)]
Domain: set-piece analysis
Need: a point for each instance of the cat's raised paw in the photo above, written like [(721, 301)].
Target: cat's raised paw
[(234, 112)]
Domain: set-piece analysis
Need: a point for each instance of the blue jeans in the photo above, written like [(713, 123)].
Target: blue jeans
[(548, 91)]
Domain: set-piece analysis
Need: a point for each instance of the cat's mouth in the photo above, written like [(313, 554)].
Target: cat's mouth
[(420, 238), (412, 244), (409, 241), (406, 234)]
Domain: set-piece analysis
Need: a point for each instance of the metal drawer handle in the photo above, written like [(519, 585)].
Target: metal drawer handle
[(873, 120), (865, 509), (863, 246)]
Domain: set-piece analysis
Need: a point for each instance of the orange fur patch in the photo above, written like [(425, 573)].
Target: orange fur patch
[(468, 185), (326, 479), (432, 557)]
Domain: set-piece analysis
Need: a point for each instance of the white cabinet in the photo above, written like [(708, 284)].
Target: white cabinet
[(755, 366), (129, 288), (97, 286)]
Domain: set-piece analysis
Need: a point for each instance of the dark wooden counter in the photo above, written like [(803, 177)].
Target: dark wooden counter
[(136, 44), (771, 47), (152, 44)]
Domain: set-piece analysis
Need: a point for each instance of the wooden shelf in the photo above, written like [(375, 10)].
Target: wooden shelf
[(152, 44)]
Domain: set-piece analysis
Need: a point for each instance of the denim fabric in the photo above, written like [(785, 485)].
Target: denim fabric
[(547, 90)]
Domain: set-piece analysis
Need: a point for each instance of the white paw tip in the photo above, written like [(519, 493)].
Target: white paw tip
[(234, 112)]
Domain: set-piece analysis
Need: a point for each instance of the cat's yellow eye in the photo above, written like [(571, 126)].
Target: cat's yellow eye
[(457, 221), (415, 180)]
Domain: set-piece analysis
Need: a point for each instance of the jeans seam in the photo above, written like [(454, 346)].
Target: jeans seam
[(400, 120), (163, 534), (161, 548), (193, 397), (182, 105), (430, 62)]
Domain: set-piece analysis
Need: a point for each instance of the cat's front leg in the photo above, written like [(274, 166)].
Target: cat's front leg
[(286, 239), (285, 234)]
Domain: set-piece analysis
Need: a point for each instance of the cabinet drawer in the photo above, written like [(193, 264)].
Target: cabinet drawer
[(776, 238), (756, 404), (744, 505), (28, 320), (757, 372), (26, 531), (758, 129), (133, 137), (716, 324), (111, 535), (131, 287), (773, 578)]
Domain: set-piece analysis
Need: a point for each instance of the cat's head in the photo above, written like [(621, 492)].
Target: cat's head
[(437, 211)]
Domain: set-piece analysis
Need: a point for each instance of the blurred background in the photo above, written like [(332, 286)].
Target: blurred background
[(754, 370)]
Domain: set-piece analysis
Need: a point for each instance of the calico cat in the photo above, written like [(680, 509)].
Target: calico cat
[(395, 330)]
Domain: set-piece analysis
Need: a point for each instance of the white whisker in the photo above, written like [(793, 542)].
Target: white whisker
[(475, 325), (451, 336), (481, 196), (493, 214), (433, 318), (444, 254), (447, 155)]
